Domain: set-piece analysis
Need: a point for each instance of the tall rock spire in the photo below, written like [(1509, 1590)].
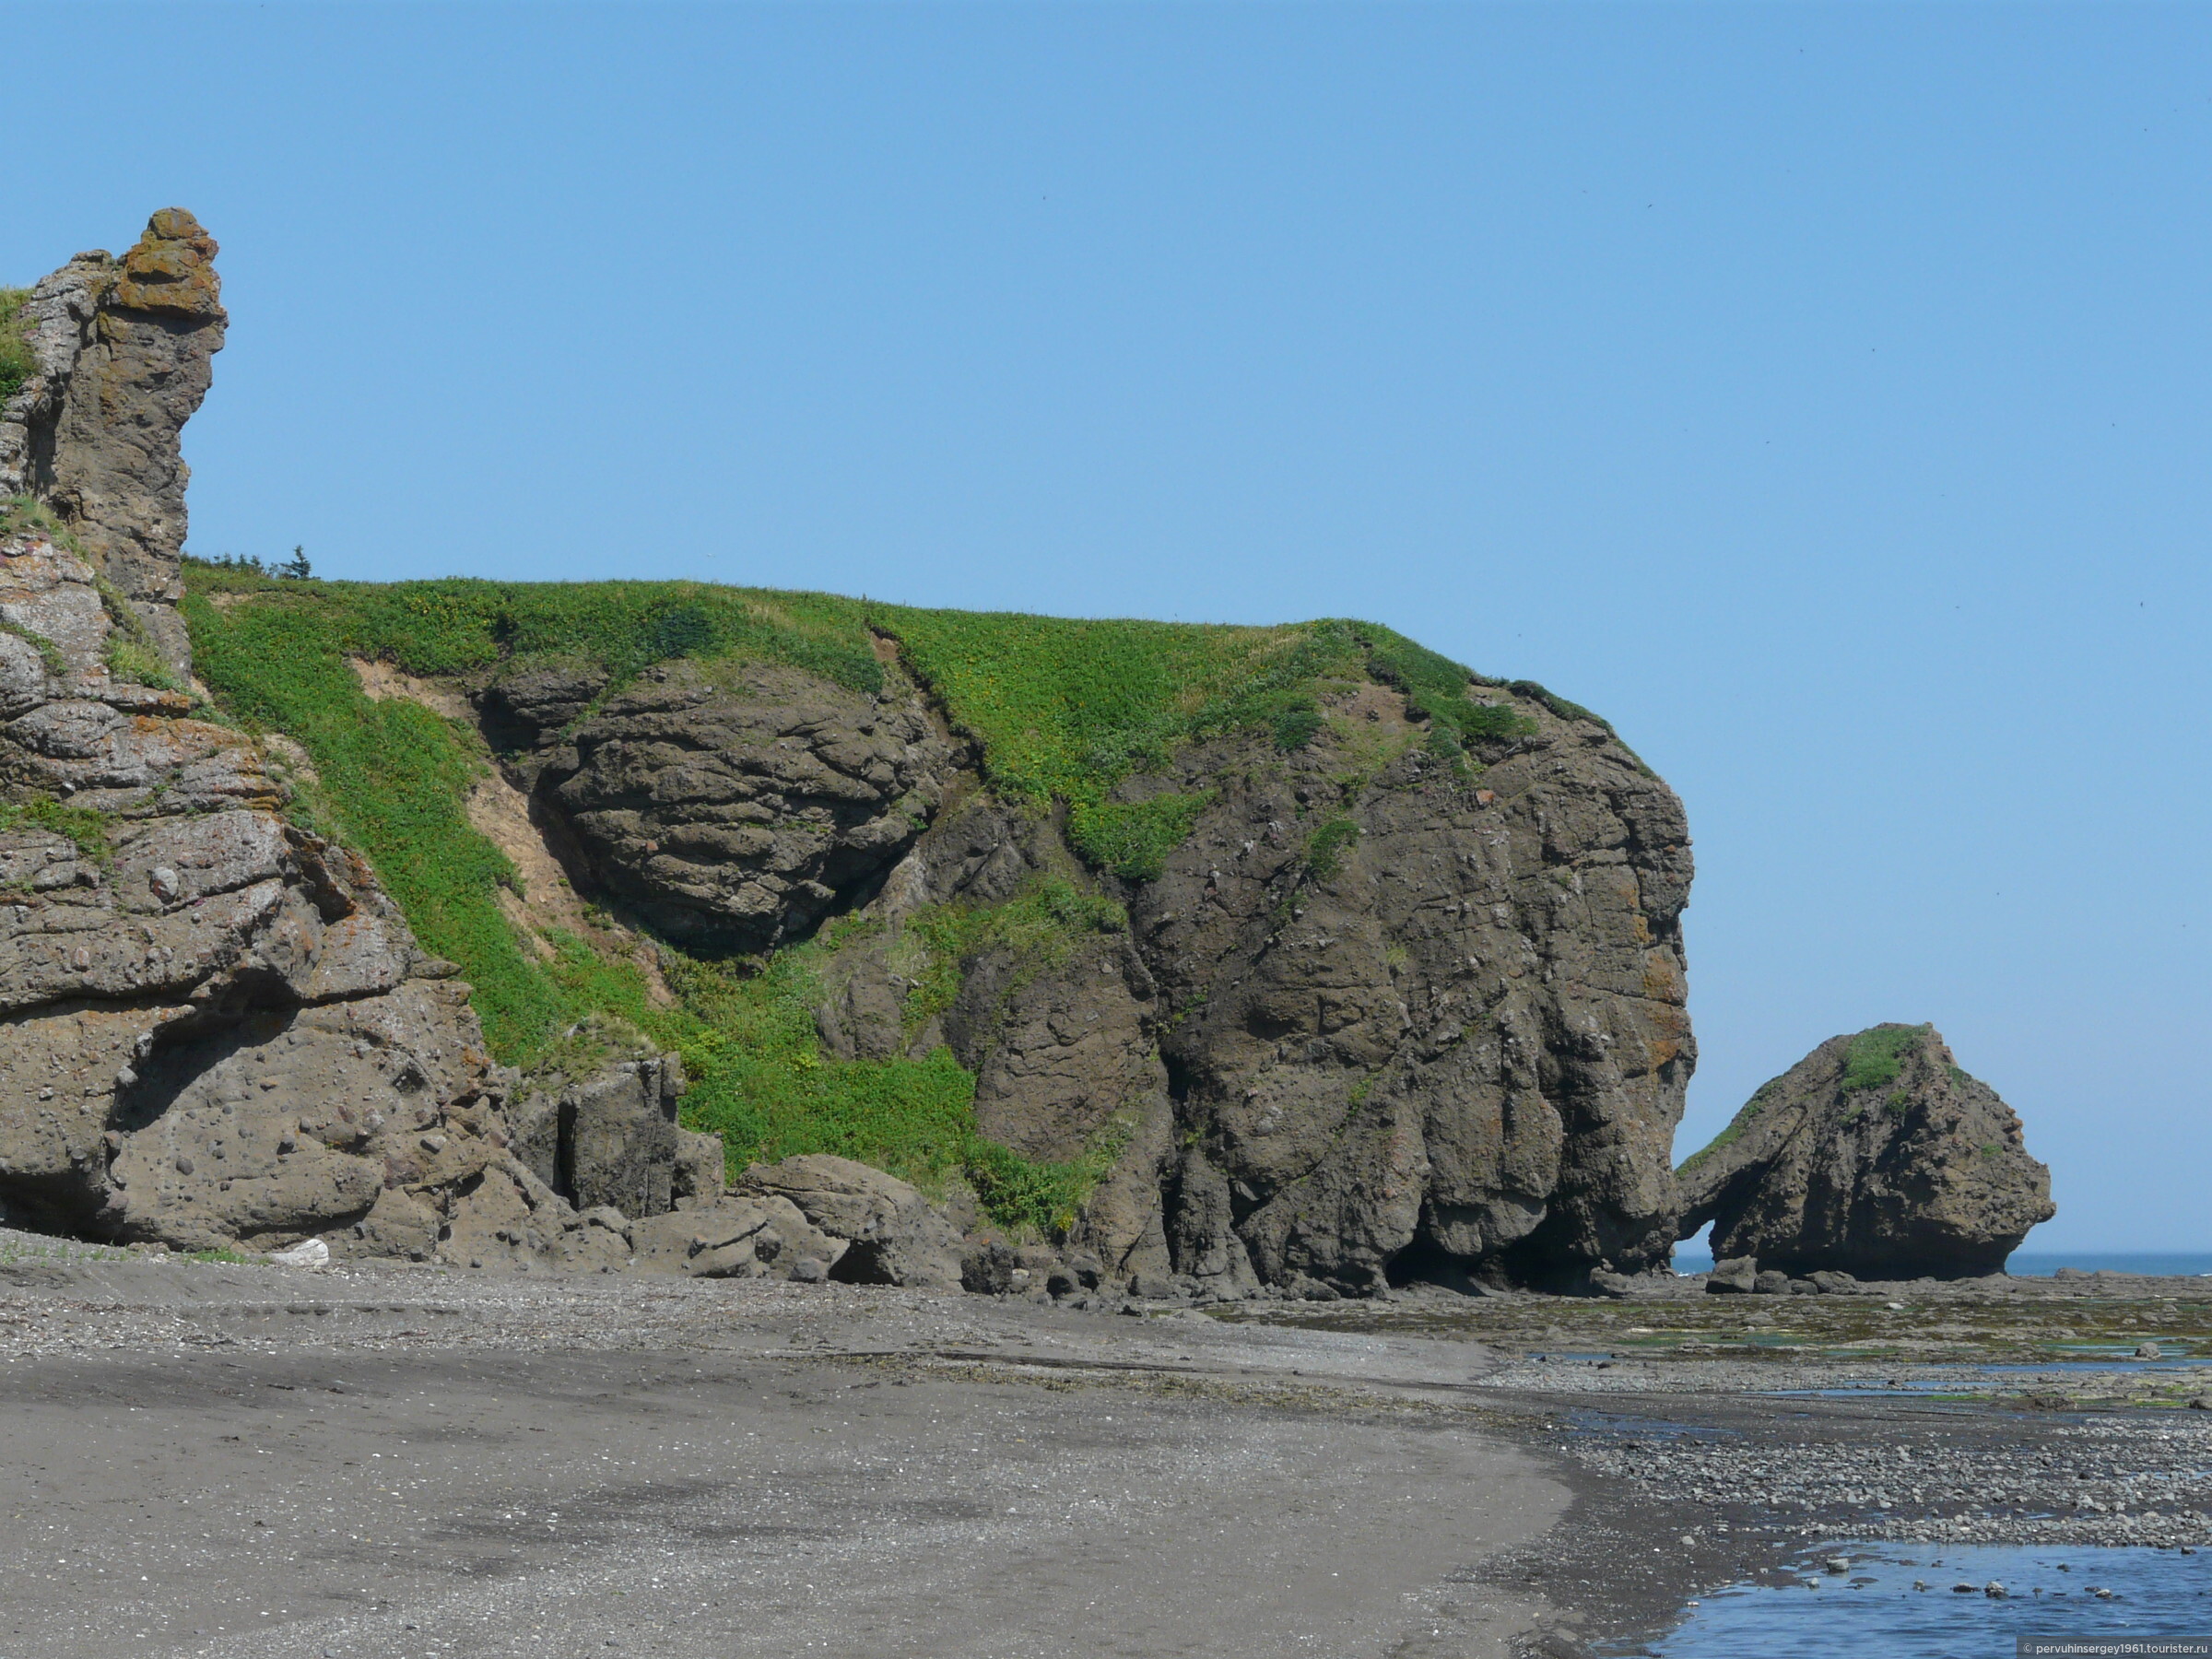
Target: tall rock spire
[(124, 351)]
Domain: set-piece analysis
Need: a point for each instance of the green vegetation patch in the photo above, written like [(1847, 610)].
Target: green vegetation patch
[(1325, 848), (394, 781), (1132, 839), (86, 826), (1875, 1056), (1436, 688), (17, 364), (49, 652), (461, 626), (1063, 711), (1041, 927), (131, 653), (393, 785), (22, 513)]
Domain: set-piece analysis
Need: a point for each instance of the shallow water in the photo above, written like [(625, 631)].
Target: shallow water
[(2043, 1263), (1873, 1610)]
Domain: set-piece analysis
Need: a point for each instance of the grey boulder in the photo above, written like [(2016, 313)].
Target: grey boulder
[(895, 1236), (750, 1237)]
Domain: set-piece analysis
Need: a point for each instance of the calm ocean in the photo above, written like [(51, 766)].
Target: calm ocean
[(2043, 1263)]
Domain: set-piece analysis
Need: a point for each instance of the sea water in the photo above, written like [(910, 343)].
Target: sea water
[(2043, 1263), (1873, 1610)]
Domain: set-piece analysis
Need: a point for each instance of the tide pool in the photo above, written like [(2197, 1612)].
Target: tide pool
[(1872, 1609)]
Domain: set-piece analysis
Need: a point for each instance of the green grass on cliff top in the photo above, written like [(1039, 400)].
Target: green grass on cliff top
[(1061, 709)]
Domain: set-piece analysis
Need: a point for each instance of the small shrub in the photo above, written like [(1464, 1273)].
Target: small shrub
[(1024, 1195), (1132, 839), (1326, 846), (1877, 1056), (1297, 725), (683, 631)]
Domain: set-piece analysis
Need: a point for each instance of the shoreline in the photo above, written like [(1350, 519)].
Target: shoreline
[(1500, 1475)]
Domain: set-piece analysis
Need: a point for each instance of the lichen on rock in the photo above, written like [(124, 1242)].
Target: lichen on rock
[(122, 351)]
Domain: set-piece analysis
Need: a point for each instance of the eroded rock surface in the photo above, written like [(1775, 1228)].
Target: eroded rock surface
[(221, 1030), (1874, 1155), (123, 348), (1464, 1045), (1377, 1018), (730, 805), (611, 1139), (892, 1235)]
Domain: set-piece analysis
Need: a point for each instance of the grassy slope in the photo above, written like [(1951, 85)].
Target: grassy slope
[(1063, 710)]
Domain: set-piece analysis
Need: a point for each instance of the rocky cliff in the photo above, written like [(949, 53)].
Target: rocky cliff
[(121, 352), (1874, 1155), (221, 1031), (1296, 956), (1386, 1006)]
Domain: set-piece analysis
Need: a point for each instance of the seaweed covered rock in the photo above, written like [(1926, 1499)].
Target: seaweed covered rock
[(1875, 1156)]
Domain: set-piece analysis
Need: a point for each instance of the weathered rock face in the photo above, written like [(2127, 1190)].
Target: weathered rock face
[(1875, 1156), (611, 1139), (731, 807), (1463, 1047), (123, 349), (221, 1030), (745, 1235), (219, 1027), (892, 1235), (1422, 1026)]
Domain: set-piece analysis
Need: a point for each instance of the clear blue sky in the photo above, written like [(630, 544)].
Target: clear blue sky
[(1819, 392)]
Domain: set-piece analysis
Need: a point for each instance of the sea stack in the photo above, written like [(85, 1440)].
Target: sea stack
[(1874, 1155)]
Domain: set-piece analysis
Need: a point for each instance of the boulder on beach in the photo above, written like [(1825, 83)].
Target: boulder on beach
[(1874, 1155)]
